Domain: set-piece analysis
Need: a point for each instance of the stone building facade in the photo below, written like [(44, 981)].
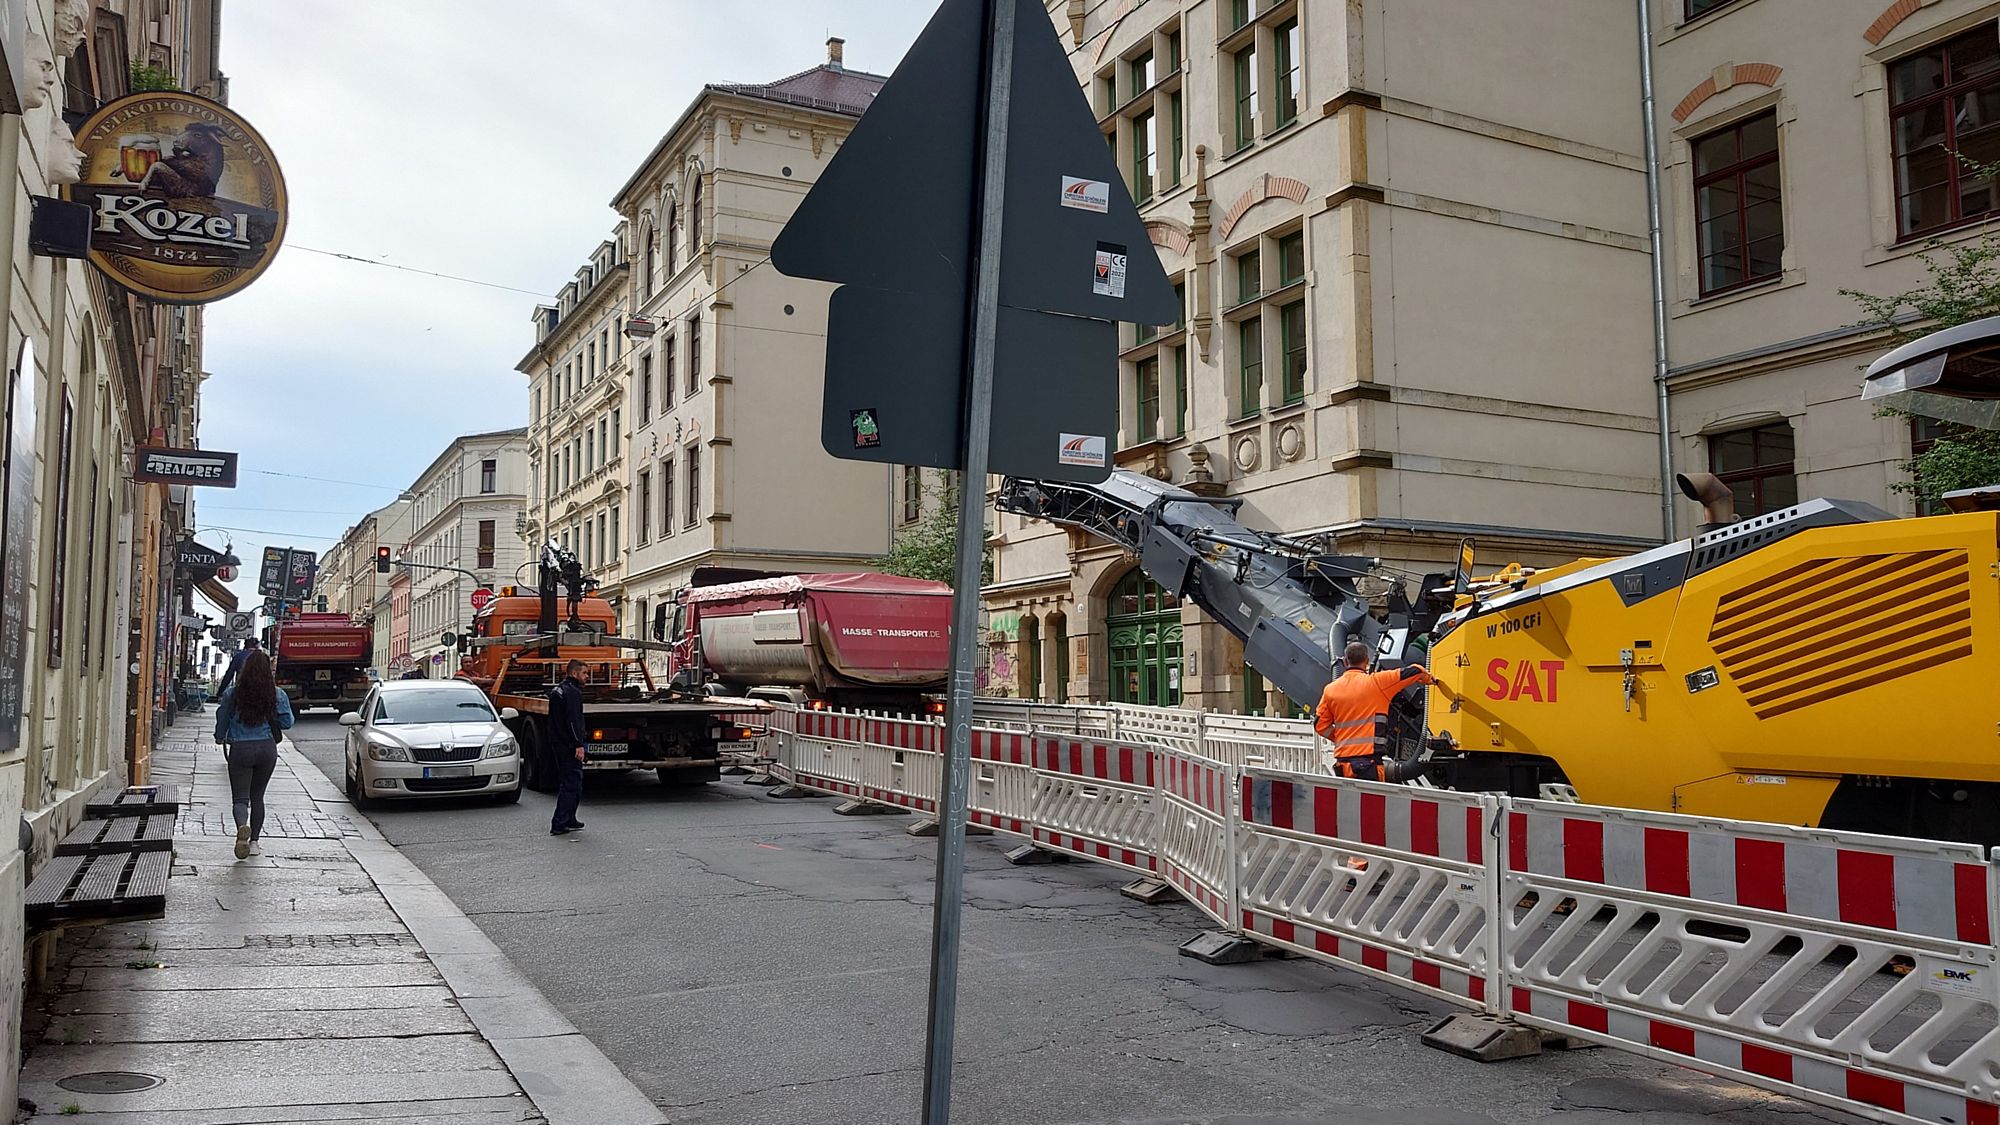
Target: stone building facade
[(1795, 167), (577, 436), (467, 514), (1416, 308), (724, 466), (86, 373)]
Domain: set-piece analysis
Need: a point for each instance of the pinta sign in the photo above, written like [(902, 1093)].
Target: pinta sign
[(188, 205)]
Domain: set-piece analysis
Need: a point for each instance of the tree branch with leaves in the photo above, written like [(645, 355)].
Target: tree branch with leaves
[(928, 548), (1962, 284)]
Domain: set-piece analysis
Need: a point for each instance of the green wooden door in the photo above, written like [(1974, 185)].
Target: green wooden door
[(1143, 623)]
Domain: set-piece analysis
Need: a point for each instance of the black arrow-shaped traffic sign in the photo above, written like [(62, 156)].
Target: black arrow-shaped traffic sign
[(894, 219)]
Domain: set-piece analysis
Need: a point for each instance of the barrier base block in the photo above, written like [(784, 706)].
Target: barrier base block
[(1484, 1038), (736, 771), (763, 779), (1028, 854), (792, 792), (1219, 947), (928, 827), (1150, 891), (867, 808)]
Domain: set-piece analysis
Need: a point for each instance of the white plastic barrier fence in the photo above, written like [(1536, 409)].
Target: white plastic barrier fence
[(1392, 881), (1002, 793), (1197, 841), (1095, 798), (1857, 972), (1854, 971)]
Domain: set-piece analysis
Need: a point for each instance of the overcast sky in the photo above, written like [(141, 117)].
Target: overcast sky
[(481, 138)]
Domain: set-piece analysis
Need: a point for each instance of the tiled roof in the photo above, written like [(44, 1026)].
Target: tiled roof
[(822, 87)]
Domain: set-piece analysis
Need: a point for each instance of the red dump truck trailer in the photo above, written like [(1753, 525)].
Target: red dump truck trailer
[(322, 660), (842, 640)]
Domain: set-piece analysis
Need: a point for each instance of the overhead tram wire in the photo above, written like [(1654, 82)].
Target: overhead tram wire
[(719, 290)]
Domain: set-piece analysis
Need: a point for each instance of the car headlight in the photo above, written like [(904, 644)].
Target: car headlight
[(383, 750), (499, 745)]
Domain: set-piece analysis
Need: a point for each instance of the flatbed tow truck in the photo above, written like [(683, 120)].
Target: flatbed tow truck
[(520, 648)]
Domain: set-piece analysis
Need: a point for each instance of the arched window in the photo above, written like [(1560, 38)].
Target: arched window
[(649, 254), (1031, 658), (694, 219), (1143, 622), (673, 236)]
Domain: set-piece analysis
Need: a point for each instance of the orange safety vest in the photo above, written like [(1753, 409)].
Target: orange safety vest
[(1353, 710)]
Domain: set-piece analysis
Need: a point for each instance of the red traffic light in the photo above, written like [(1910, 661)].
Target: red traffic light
[(381, 560)]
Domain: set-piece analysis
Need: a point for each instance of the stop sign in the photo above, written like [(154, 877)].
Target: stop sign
[(480, 598)]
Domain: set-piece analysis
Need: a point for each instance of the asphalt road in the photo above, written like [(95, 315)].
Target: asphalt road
[(751, 961)]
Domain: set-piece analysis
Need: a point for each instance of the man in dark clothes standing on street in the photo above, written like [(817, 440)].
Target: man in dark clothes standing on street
[(566, 741), (236, 665)]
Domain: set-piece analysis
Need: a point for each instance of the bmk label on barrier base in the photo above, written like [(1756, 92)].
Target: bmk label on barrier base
[(1082, 449), (1086, 195)]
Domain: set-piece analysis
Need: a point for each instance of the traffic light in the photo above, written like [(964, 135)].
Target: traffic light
[(320, 603), (381, 560)]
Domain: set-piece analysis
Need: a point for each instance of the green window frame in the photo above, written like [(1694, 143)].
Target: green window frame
[(1249, 276), (1245, 62), (1145, 139), (1239, 13), (1147, 375), (1250, 366), (1292, 336), (1141, 74), (1285, 48), (1176, 140), (1291, 258), (1180, 391), (1173, 52)]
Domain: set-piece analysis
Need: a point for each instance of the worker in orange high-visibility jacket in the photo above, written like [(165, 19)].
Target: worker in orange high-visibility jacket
[(1353, 714)]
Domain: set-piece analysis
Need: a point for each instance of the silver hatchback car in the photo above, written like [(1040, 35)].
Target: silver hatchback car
[(430, 738)]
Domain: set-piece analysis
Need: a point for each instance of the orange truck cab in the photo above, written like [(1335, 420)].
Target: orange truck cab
[(632, 722)]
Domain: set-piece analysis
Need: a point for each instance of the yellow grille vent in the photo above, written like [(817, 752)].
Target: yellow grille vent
[(1828, 627)]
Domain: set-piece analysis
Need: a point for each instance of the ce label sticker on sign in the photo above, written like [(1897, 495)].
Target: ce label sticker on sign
[(1109, 278)]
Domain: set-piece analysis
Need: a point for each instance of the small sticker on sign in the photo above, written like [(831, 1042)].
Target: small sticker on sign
[(867, 435), (1086, 195), (1110, 277), (1082, 449)]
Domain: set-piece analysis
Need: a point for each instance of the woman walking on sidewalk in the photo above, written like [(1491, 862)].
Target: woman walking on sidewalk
[(247, 722)]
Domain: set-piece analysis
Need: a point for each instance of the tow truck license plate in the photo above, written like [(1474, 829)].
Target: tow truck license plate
[(608, 750), (322, 674), (447, 771)]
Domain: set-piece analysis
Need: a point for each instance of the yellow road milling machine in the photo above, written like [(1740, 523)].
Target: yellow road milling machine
[(1824, 665)]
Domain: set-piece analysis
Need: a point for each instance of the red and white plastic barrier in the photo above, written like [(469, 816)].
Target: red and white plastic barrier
[(1857, 972), (1393, 881), (1854, 971), (1095, 798)]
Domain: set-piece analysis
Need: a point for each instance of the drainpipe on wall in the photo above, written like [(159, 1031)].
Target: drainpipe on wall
[(1653, 223)]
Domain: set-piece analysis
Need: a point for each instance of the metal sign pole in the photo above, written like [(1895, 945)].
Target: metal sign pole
[(971, 557)]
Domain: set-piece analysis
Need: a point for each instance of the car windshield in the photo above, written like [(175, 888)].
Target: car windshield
[(433, 705)]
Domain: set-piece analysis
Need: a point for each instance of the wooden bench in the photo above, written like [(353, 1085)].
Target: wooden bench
[(120, 834), (139, 800), (104, 887)]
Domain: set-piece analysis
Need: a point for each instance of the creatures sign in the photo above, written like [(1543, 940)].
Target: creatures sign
[(189, 206)]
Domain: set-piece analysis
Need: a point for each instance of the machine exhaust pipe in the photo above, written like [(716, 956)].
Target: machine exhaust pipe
[(1718, 503)]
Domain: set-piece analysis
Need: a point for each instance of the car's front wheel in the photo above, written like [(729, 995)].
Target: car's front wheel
[(356, 795)]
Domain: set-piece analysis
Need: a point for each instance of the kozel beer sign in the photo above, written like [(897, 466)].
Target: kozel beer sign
[(189, 206)]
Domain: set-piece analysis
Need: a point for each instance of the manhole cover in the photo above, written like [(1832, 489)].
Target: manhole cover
[(110, 1082)]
